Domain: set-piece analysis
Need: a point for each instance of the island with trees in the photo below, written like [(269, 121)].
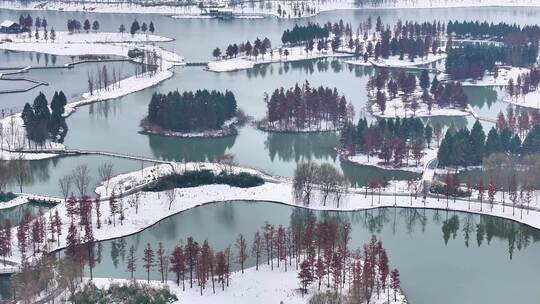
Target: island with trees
[(402, 94), (201, 113), (303, 108)]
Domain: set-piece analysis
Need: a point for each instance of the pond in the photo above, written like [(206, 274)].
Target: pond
[(443, 257)]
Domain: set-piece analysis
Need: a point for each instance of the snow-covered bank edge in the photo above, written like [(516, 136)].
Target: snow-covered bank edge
[(244, 63), (228, 129), (17, 201), (376, 162), (394, 62), (265, 286), (530, 100)]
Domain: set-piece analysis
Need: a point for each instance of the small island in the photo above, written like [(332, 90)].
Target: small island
[(192, 114), (306, 109)]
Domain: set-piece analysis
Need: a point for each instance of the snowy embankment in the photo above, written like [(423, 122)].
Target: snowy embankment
[(530, 100), (245, 62), (144, 209), (395, 62), (228, 129), (19, 200), (397, 108), (408, 165), (264, 286), (83, 37), (504, 75)]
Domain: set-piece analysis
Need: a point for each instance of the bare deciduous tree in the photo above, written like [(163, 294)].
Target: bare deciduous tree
[(105, 173), (81, 179), (65, 184), (304, 181), (171, 195)]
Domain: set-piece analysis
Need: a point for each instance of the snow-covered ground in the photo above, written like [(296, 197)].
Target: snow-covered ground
[(19, 200), (397, 108), (269, 8), (531, 100), (394, 62), (83, 37), (228, 129), (411, 166), (264, 286), (505, 74), (244, 62)]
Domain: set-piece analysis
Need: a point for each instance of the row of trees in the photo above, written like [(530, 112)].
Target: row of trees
[(472, 61), (391, 85), (524, 84), (75, 25), (319, 251), (135, 27), (500, 31), (41, 123), (27, 22), (202, 110), (259, 47), (304, 107), (464, 148), (392, 140)]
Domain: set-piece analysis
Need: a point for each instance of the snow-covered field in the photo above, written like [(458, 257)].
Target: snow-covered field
[(394, 62), (83, 37), (531, 100), (244, 62), (411, 166), (264, 286), (505, 74), (239, 11), (397, 108)]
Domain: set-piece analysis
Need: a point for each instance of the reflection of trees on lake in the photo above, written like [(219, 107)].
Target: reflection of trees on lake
[(450, 228), (301, 146), (481, 96), (375, 219), (502, 167), (15, 214), (459, 122), (192, 149), (359, 175), (103, 109)]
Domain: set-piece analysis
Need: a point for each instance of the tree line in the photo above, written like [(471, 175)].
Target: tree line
[(302, 107), (472, 61), (27, 22), (500, 30), (524, 84), (464, 148), (259, 47), (392, 140), (318, 250), (42, 123), (188, 111), (303, 33)]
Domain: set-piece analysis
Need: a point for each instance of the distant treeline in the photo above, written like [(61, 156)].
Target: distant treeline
[(501, 30), (202, 110), (472, 61), (307, 32)]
